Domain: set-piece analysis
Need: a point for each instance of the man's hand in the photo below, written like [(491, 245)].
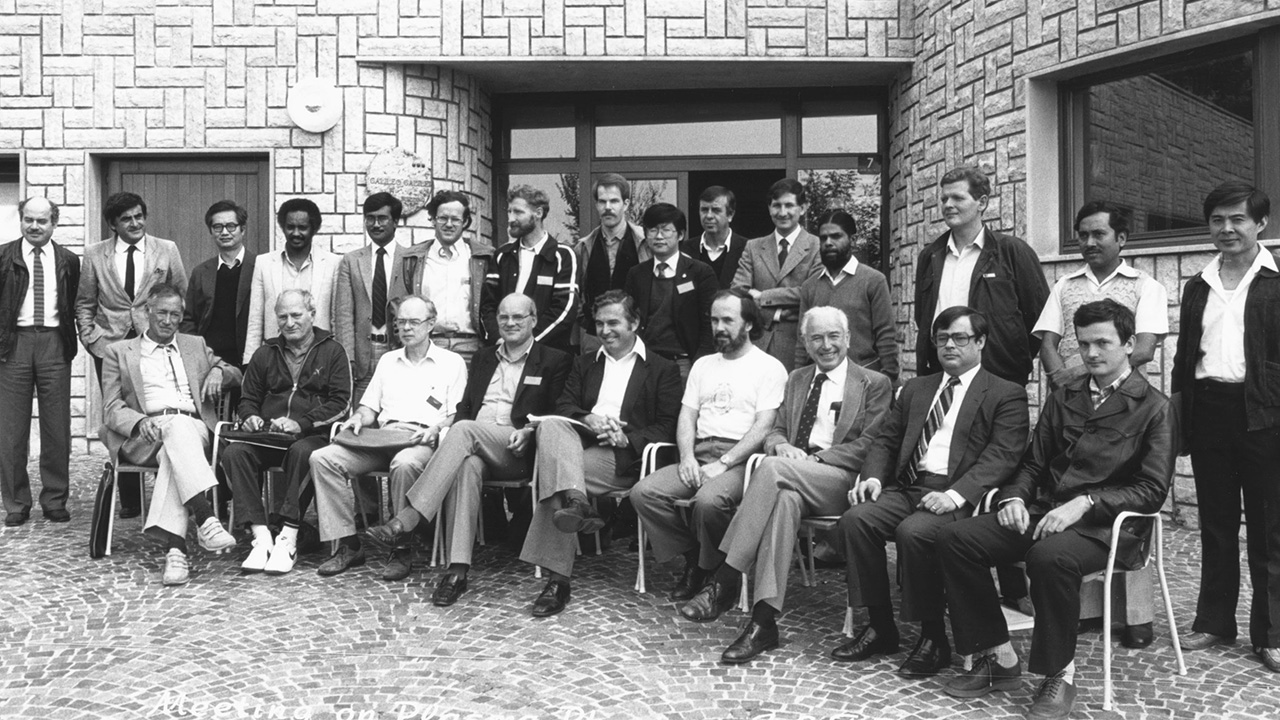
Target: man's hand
[(598, 424), (613, 435), (519, 442), (712, 470), (426, 436), (865, 491), (253, 423), (149, 429), (353, 423), (690, 472), (1013, 516), (938, 503), (1061, 517), (285, 425), (790, 452), (1064, 375), (754, 293), (212, 384)]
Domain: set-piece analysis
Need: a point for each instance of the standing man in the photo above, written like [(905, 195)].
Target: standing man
[(1104, 444), (719, 246), (830, 414), (951, 437), (1225, 370), (111, 304), (730, 403), (672, 291), (453, 273), (414, 388), (609, 251), (533, 264), (299, 383), (158, 391), (301, 265), (370, 280), (773, 268), (218, 294), (38, 283), (625, 397), (971, 265)]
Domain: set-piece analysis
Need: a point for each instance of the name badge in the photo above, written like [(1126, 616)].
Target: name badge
[(533, 380), (988, 275), (545, 280), (433, 402), (683, 288)]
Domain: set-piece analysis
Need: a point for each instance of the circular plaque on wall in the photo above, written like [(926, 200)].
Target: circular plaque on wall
[(403, 174), (315, 105)]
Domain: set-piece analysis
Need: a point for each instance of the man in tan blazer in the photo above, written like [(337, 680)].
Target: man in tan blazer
[(773, 268)]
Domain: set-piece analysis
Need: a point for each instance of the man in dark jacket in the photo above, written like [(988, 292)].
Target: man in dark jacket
[(218, 294), (38, 283), (297, 383), (1104, 444)]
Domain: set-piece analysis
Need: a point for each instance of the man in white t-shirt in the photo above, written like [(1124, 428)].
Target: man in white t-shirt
[(730, 403)]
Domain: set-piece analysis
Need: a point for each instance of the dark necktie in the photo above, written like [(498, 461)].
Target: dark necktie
[(169, 351), (809, 415), (129, 271), (37, 288), (662, 269), (931, 425), (379, 290), (782, 251)]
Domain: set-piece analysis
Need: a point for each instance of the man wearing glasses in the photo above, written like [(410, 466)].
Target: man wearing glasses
[(673, 292), (414, 388), (490, 438), (453, 272), (218, 293), (950, 437)]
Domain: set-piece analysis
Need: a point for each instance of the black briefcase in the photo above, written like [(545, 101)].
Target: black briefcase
[(100, 526)]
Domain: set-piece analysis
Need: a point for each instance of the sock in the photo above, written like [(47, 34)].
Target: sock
[(200, 509), (350, 541), (459, 569), (881, 618), (288, 533), (557, 577), (409, 518), (261, 534), (762, 613), (1005, 656), (727, 575), (173, 541), (934, 630), (1069, 673), (691, 557)]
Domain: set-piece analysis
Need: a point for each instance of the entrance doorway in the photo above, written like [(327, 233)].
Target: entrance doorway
[(751, 191)]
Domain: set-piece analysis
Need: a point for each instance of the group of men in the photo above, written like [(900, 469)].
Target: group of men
[(562, 362)]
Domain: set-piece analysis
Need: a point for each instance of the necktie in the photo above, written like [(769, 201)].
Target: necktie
[(782, 251), (931, 425), (169, 351), (810, 413), (662, 269), (379, 291), (128, 270), (37, 287)]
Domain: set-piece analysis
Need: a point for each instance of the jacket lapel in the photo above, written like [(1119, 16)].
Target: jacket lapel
[(635, 386), (591, 382), (798, 249), (132, 359), (804, 382), (364, 258), (770, 252), (854, 387), (532, 368), (246, 282), (921, 403), (107, 265), (986, 258), (973, 398)]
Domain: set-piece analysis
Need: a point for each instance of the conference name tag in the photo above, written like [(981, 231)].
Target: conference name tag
[(988, 275), (433, 402), (545, 280), (533, 380), (683, 288)]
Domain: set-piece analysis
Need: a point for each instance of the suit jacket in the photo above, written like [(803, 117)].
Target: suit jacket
[(732, 256), (104, 313), (863, 410), (779, 287), (650, 404), (584, 247), (553, 285), (123, 394), (268, 281), (1121, 455), (14, 277), (480, 254), (1007, 286), (990, 434), (545, 372), (199, 310), (352, 310), (696, 286)]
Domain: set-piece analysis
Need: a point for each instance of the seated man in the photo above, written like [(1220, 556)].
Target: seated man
[(490, 437), (413, 388), (951, 436), (829, 416), (158, 391), (626, 396), (729, 405), (1104, 444), (298, 382)]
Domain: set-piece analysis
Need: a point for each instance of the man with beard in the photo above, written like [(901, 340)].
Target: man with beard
[(609, 251), (860, 291), (533, 264), (452, 274), (719, 246), (730, 403)]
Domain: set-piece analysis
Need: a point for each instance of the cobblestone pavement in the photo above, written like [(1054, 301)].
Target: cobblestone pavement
[(81, 638)]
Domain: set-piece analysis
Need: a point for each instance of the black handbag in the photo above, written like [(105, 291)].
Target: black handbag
[(100, 525)]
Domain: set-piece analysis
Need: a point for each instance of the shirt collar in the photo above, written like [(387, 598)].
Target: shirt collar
[(46, 250), (671, 263), (459, 248), (1112, 387), (638, 349), (790, 238), (966, 378), (284, 255), (1123, 270), (1264, 259), (150, 347), (403, 355), (537, 247), (238, 260), (978, 242), (505, 354), (849, 268), (837, 374), (122, 247), (728, 241), (618, 236)]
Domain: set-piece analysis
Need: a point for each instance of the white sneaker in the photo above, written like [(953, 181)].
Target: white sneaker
[(283, 555), (176, 571), (213, 537), (257, 560)]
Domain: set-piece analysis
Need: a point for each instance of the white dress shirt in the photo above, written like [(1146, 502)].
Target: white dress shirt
[(26, 313), (829, 404), (237, 260), (1222, 345), (957, 272), (164, 378), (526, 255), (425, 392), (387, 259), (715, 252), (937, 458), (139, 260), (617, 375), (447, 282)]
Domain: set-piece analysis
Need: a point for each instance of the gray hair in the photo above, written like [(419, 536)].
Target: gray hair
[(308, 301), (824, 312), (431, 306)]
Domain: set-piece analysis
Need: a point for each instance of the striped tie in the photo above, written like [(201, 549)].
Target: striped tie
[(37, 287), (931, 425)]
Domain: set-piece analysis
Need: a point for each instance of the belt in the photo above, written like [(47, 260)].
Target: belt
[(451, 334), (378, 338), (37, 328), (173, 411), (713, 438), (1222, 388)]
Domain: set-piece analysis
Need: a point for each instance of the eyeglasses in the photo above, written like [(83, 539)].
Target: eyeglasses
[(411, 323), (666, 232), (220, 228), (504, 319), (960, 339), (378, 221), (446, 220)]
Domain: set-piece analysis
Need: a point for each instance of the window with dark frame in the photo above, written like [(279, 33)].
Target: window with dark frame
[(10, 187)]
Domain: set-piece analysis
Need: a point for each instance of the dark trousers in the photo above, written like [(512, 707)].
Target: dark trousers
[(127, 484), (37, 361), (1055, 564), (1230, 462), (243, 464)]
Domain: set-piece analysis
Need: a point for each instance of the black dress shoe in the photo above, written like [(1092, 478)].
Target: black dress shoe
[(755, 639), (389, 533), (711, 601), (691, 581), (552, 599), (928, 658), (449, 590), (866, 645), (399, 565), (129, 511), (1270, 658), (577, 517), (59, 516), (14, 519), (1137, 636), (1054, 699)]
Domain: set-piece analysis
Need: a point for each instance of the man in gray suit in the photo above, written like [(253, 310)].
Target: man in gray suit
[(773, 268)]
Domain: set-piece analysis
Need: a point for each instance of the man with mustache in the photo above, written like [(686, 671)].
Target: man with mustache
[(730, 403), (609, 251)]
